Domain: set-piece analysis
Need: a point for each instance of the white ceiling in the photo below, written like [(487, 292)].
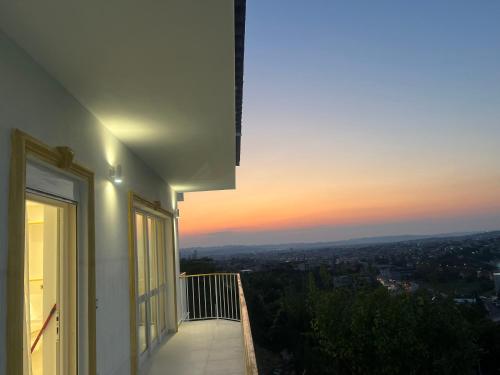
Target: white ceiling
[(158, 74)]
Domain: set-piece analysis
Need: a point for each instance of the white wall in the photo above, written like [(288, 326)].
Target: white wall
[(35, 103)]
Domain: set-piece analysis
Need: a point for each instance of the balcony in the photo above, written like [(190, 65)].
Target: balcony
[(214, 336)]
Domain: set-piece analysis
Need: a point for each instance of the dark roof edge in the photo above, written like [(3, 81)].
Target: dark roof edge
[(239, 57)]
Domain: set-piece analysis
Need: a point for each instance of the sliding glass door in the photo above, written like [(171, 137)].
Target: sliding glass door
[(151, 280)]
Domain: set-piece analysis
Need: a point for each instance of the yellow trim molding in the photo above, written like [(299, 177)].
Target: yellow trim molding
[(24, 146)]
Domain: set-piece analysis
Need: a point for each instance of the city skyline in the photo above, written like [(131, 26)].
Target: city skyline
[(361, 120)]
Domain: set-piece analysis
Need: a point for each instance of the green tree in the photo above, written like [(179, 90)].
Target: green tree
[(373, 332)]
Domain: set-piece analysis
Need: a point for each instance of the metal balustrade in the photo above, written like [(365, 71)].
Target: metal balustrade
[(218, 296), (183, 297), (210, 296)]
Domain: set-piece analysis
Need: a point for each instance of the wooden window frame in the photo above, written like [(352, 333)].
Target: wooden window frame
[(153, 208), (24, 146)]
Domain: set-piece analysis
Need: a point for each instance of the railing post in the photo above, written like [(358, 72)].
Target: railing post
[(233, 280), (192, 291), (186, 302), (184, 296), (229, 294), (216, 298), (211, 303), (199, 299), (205, 296), (223, 296)]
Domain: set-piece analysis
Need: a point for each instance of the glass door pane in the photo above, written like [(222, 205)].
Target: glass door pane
[(142, 288), (154, 317), (153, 255), (162, 274), (162, 310), (151, 263), (153, 277), (142, 328), (141, 254), (42, 289), (161, 252)]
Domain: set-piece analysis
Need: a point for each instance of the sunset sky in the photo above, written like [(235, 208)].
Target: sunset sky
[(361, 118)]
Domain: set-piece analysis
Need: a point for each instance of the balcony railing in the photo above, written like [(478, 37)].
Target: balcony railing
[(218, 296)]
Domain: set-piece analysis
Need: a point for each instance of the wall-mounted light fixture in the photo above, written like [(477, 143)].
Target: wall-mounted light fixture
[(115, 174)]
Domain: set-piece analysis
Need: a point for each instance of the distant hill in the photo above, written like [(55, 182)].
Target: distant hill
[(229, 250)]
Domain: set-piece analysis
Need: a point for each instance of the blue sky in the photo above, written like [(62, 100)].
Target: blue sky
[(360, 115)]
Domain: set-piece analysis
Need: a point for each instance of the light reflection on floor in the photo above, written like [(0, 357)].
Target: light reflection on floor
[(201, 347)]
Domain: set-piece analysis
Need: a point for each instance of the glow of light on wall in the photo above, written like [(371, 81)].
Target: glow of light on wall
[(110, 201), (127, 129), (110, 146)]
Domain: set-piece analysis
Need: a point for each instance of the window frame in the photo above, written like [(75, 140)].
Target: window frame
[(26, 148), (150, 292), (163, 222)]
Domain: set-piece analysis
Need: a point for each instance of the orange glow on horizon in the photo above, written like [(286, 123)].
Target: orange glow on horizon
[(275, 208)]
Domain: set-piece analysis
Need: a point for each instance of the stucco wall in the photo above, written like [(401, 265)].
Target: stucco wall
[(35, 103)]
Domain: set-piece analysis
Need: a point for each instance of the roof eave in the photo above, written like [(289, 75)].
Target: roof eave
[(239, 45)]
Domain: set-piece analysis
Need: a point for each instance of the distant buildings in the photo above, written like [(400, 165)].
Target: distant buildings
[(352, 280)]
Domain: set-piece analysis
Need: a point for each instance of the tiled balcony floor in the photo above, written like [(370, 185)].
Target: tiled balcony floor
[(201, 347)]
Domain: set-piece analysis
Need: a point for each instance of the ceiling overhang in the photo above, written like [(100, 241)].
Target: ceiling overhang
[(164, 77)]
